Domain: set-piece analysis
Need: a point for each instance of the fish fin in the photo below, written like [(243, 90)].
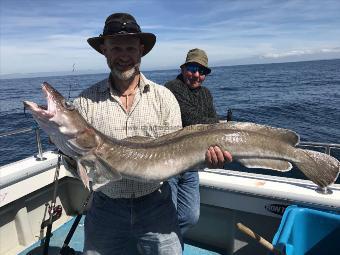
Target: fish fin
[(320, 168), (138, 139), (92, 169), (285, 135), (107, 171), (273, 164), (97, 180), (82, 173), (192, 129)]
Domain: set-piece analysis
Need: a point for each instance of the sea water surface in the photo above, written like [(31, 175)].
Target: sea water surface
[(301, 96)]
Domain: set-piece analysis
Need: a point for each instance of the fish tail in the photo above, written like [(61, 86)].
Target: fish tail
[(319, 167)]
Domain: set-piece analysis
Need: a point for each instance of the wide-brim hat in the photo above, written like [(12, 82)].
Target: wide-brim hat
[(122, 24), (197, 56)]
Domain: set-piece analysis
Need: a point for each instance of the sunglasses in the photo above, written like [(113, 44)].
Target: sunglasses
[(115, 27), (196, 68)]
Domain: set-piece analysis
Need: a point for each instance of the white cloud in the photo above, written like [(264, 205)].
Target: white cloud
[(52, 35), (299, 52)]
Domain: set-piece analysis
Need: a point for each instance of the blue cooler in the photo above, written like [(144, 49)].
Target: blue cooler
[(308, 231)]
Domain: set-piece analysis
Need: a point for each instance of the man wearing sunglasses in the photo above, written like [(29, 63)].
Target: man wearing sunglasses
[(196, 104), (126, 216)]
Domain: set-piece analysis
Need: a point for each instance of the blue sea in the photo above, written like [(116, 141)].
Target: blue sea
[(301, 96)]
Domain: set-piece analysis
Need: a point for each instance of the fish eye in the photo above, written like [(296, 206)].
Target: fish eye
[(69, 105)]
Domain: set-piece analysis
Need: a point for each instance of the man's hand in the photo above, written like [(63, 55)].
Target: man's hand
[(215, 157)]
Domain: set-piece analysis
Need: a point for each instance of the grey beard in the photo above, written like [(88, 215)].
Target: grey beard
[(126, 75)]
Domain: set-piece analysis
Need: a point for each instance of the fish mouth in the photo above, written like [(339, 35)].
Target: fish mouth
[(43, 111)]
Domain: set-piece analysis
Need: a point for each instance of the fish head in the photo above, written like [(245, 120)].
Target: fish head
[(59, 113), (62, 122)]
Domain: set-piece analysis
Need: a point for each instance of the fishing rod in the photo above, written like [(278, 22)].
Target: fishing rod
[(70, 86), (54, 211), (66, 249)]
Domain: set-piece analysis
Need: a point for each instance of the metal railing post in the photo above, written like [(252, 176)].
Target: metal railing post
[(40, 156), (328, 149)]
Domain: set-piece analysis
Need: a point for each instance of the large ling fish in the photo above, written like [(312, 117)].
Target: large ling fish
[(104, 159)]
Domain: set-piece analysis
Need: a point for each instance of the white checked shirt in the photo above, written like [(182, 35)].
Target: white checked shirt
[(154, 112)]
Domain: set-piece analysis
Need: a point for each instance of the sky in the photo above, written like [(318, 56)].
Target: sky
[(50, 36)]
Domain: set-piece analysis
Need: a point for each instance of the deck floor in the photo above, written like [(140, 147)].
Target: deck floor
[(77, 241)]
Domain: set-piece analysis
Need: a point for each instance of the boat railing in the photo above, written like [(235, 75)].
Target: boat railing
[(326, 146), (36, 130)]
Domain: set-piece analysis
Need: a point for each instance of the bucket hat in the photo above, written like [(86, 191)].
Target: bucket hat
[(123, 24), (197, 56)]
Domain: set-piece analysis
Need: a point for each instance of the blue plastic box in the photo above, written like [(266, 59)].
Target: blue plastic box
[(308, 231)]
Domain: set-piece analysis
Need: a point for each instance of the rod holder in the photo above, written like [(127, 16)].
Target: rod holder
[(324, 190)]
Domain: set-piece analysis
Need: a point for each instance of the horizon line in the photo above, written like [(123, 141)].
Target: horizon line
[(92, 71)]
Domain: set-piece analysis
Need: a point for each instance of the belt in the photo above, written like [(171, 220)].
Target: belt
[(163, 188)]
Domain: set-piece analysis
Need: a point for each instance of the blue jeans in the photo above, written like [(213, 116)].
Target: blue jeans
[(149, 223), (186, 198)]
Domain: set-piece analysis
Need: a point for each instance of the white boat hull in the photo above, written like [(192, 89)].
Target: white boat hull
[(227, 197)]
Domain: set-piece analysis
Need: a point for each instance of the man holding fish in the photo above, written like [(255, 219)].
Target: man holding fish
[(124, 105)]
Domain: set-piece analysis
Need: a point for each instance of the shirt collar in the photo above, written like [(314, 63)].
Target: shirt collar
[(144, 84)]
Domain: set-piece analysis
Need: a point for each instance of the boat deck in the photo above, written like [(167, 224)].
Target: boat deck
[(77, 241)]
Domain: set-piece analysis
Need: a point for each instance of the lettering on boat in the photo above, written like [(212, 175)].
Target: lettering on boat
[(278, 209)]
